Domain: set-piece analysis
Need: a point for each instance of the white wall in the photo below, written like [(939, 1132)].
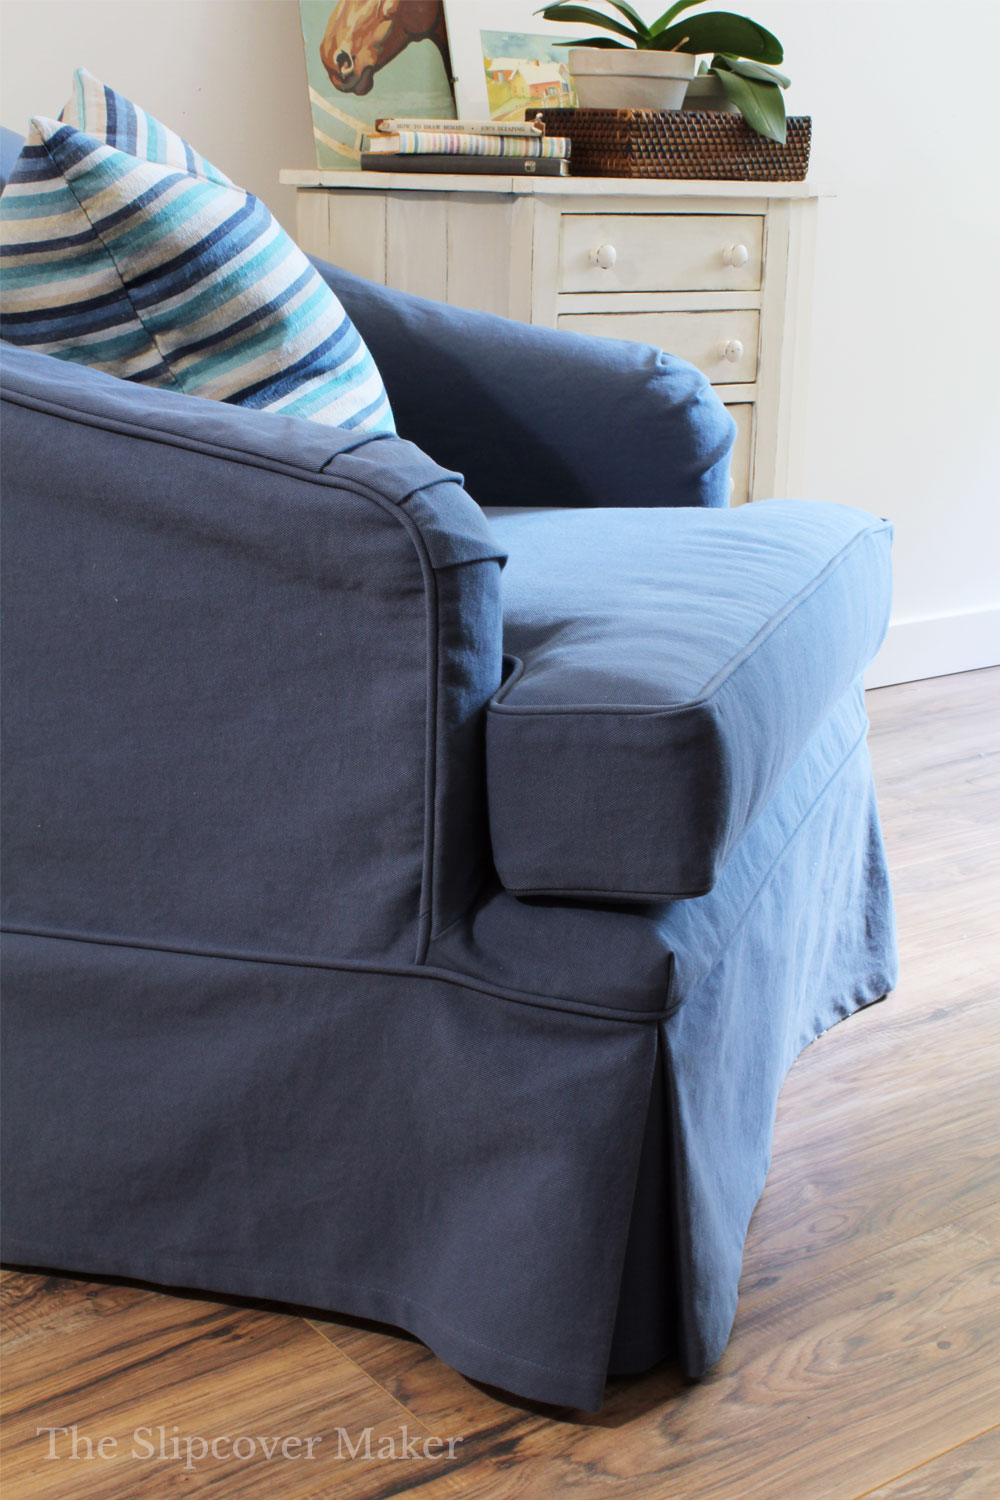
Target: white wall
[(904, 392), (229, 75), (904, 377)]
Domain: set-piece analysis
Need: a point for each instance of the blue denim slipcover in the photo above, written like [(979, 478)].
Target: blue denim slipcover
[(273, 1025)]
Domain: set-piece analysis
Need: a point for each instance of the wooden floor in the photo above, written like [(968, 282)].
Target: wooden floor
[(866, 1355)]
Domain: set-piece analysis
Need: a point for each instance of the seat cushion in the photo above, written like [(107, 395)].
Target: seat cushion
[(666, 669), (126, 250)]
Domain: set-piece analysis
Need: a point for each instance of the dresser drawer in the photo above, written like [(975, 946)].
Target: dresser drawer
[(660, 252), (739, 471), (722, 344)]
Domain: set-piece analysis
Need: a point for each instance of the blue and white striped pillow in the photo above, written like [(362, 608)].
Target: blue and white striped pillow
[(124, 249)]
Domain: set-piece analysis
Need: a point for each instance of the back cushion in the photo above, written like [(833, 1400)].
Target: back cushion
[(126, 250)]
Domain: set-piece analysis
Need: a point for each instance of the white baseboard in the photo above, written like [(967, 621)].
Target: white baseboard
[(936, 646)]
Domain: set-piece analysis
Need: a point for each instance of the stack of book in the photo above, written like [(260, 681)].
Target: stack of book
[(498, 148)]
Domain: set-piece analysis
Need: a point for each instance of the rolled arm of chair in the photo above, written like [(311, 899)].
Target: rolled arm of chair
[(247, 658), (536, 417)]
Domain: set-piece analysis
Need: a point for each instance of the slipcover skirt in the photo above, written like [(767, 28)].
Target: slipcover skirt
[(540, 1192)]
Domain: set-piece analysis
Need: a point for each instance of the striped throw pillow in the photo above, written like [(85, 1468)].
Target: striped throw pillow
[(124, 249)]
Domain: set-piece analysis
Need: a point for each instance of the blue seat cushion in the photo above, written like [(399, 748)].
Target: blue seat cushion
[(666, 668)]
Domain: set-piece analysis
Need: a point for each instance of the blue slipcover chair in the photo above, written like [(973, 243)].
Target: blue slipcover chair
[(417, 887)]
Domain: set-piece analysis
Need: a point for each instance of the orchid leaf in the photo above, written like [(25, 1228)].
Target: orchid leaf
[(633, 15), (747, 69), (593, 41), (720, 31), (671, 14), (583, 16), (760, 104)]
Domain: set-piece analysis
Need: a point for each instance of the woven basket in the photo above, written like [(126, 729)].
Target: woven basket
[(675, 143)]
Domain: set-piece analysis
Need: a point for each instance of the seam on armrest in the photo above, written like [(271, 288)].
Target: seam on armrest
[(210, 447)]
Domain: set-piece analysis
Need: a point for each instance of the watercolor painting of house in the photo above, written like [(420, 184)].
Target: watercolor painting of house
[(524, 73)]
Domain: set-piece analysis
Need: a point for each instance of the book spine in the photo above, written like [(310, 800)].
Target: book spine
[(462, 127), (492, 166), (448, 143), (381, 145)]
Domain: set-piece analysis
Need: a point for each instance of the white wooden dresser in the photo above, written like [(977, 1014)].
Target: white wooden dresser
[(717, 272)]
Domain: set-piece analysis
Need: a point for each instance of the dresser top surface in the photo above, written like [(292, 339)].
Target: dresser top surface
[(537, 187)]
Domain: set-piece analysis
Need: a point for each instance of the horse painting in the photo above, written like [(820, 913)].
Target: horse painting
[(363, 35)]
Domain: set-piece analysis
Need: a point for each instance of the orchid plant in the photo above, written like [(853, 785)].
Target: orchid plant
[(743, 52)]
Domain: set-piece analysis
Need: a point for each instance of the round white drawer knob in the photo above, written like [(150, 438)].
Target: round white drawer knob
[(733, 351), (735, 255), (604, 256)]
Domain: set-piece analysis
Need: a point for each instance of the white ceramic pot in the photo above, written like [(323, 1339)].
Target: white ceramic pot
[(626, 78)]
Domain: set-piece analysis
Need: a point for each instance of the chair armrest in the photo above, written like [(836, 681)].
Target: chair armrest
[(535, 416), (247, 658)]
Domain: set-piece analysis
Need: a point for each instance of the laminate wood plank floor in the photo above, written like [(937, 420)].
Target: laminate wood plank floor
[(865, 1360)]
